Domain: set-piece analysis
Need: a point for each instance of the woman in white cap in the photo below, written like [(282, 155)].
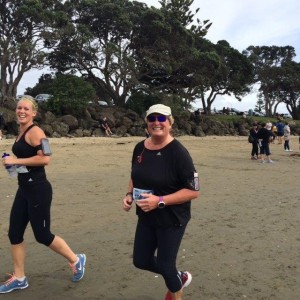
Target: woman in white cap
[(163, 183)]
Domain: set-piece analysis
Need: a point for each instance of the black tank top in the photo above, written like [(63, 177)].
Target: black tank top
[(21, 149)]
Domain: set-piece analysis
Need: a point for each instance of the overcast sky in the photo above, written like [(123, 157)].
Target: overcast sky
[(241, 23), (250, 22)]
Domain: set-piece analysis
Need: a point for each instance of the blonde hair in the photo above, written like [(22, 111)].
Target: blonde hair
[(30, 99), (171, 119)]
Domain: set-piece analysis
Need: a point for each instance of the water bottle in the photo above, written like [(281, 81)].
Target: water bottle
[(196, 181), (11, 169)]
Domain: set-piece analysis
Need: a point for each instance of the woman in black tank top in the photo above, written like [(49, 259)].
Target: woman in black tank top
[(33, 199)]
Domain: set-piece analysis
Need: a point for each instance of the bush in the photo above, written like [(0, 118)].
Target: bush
[(71, 95)]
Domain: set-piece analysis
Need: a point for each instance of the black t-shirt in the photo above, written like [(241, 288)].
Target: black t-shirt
[(103, 124), (22, 149), (264, 134), (164, 171), (254, 133)]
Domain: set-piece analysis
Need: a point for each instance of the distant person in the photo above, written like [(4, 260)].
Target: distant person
[(287, 133), (103, 124), (1, 125), (274, 131), (197, 112), (280, 132), (32, 203), (253, 134), (269, 125), (264, 135)]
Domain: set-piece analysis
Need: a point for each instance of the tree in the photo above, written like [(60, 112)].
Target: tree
[(165, 50), (71, 95), (260, 105), (123, 46), (287, 87), (222, 70), (43, 86), (25, 27), (266, 61), (99, 48)]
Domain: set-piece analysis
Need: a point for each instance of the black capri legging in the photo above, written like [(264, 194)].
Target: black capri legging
[(167, 242), (32, 204), (254, 150)]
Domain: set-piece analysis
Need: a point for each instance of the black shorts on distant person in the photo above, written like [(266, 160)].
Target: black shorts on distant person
[(265, 149)]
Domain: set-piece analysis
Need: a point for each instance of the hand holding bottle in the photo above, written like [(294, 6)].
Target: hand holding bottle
[(11, 169)]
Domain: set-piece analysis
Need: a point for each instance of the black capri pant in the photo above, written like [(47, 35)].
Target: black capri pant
[(32, 204), (167, 241)]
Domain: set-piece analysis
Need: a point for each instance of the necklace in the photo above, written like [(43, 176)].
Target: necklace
[(140, 157)]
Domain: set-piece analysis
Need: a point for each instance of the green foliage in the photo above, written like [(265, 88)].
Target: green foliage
[(42, 87), (140, 102), (26, 28), (260, 105), (268, 63), (71, 95)]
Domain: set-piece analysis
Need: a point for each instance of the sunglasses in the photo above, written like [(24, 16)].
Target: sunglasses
[(160, 118)]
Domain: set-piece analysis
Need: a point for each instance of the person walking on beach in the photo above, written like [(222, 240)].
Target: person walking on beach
[(274, 131), (287, 134), (1, 124), (163, 183), (264, 135), (253, 133), (280, 132), (32, 202)]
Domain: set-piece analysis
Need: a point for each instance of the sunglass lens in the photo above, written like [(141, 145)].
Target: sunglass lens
[(151, 118), (160, 118)]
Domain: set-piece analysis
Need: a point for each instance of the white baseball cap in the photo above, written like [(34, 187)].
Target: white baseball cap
[(159, 109)]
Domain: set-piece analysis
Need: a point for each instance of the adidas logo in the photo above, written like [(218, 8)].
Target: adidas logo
[(30, 179), (158, 154)]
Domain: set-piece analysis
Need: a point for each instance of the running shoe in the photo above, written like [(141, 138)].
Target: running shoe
[(186, 279), (13, 284), (79, 268)]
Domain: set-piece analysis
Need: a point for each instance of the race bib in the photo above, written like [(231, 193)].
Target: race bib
[(137, 193), (21, 169)]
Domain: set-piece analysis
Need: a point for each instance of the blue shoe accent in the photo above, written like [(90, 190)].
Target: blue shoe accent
[(79, 268), (13, 284)]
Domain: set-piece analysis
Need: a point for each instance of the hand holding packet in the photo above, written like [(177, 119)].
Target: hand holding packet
[(137, 193)]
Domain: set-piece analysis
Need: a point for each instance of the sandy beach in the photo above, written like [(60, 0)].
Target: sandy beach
[(243, 241)]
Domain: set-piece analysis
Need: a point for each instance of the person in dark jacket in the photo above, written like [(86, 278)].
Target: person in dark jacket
[(264, 135), (1, 125), (280, 131), (253, 133)]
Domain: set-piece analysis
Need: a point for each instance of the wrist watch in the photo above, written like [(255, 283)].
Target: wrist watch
[(161, 202)]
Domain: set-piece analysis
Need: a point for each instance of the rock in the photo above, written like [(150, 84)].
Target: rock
[(126, 123)]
